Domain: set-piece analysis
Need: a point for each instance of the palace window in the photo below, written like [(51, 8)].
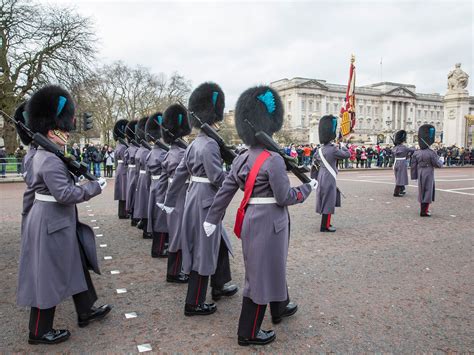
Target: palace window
[(289, 105), (388, 108), (302, 105), (317, 106), (335, 108), (311, 106), (327, 108), (411, 109), (376, 111)]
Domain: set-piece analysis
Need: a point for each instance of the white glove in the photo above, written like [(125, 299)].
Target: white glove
[(167, 209), (102, 183), (441, 160), (80, 178), (314, 184), (209, 228), (160, 205)]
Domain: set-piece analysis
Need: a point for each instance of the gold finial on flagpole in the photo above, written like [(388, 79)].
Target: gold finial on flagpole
[(353, 58)]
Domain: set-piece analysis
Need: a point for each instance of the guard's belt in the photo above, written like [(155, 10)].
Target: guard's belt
[(44, 198), (155, 177), (142, 171), (261, 200), (131, 165), (119, 161), (200, 179)]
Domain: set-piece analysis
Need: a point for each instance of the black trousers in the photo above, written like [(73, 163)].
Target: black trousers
[(122, 211), (397, 190), (41, 320), (159, 244), (175, 261), (325, 221), (252, 314), (197, 285), (109, 170)]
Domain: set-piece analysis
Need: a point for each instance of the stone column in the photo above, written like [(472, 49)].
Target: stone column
[(394, 115), (456, 107)]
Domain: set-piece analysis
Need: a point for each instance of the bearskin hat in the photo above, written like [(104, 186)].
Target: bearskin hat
[(140, 129), (120, 129), (258, 109), (207, 101), (20, 116), (51, 107), (426, 136), (175, 120), (152, 127), (400, 137), (131, 129), (327, 129)]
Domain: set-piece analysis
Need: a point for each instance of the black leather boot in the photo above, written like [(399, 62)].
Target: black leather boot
[(424, 212), (290, 309), (95, 314), (178, 279), (204, 309), (326, 224), (226, 291), (263, 337), (54, 336)]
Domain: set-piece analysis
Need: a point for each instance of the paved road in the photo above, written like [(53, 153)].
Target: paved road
[(386, 281)]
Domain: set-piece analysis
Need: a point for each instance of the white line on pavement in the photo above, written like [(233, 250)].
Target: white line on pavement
[(462, 188)]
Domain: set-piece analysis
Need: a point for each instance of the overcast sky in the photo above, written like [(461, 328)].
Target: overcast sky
[(240, 44)]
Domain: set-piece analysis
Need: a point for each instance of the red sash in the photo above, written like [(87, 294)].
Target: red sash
[(249, 184)]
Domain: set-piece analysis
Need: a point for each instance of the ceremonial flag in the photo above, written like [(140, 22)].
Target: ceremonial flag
[(347, 114)]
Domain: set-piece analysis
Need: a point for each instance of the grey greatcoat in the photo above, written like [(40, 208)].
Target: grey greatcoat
[(423, 162), (201, 159), (327, 195), (140, 209), (173, 221), (50, 267), (120, 187), (29, 194), (400, 167), (129, 161), (156, 217), (266, 228)]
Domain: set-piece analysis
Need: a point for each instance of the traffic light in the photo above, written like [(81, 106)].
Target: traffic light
[(87, 122)]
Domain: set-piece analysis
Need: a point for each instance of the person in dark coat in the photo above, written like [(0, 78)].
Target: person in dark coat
[(120, 187), (423, 163), (400, 169), (328, 196), (265, 228), (29, 194), (129, 161), (56, 249), (157, 224), (142, 191), (202, 165), (175, 125)]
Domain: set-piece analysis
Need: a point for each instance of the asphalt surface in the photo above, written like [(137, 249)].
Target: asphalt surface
[(386, 281)]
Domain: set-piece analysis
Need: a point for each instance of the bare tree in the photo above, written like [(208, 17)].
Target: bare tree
[(39, 44)]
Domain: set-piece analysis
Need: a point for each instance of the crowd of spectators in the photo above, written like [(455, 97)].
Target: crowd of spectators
[(368, 156), (96, 157)]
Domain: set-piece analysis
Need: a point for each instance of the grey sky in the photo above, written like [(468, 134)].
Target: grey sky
[(239, 44)]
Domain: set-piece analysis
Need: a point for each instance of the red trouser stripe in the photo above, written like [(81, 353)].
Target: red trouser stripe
[(255, 321), (37, 322), (176, 264), (199, 291), (162, 238), (427, 207), (328, 221)]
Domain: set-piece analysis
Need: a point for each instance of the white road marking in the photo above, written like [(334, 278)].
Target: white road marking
[(95, 227), (89, 210), (103, 245), (121, 290), (449, 180), (91, 215), (93, 220), (107, 258), (114, 272), (143, 348), (462, 188), (131, 315), (452, 215), (390, 183), (99, 235)]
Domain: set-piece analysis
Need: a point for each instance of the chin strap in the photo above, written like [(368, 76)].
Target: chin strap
[(60, 135)]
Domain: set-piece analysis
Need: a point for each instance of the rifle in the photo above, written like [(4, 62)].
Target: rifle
[(227, 154), (267, 141), (133, 141), (157, 142), (75, 167), (179, 141), (122, 141)]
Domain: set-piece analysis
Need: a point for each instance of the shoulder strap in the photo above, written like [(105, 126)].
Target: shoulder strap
[(249, 184), (326, 164)]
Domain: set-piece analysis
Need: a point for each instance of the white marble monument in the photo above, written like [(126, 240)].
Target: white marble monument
[(456, 107)]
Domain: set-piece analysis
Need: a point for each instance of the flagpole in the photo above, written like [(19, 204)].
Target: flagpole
[(381, 70)]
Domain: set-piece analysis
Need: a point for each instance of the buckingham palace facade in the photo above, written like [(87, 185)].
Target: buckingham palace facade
[(381, 109)]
